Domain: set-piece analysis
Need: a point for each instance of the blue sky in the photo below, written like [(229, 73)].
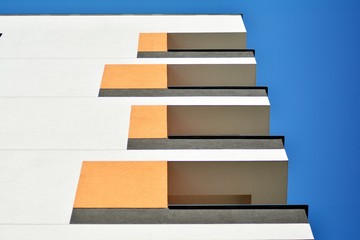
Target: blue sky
[(307, 53)]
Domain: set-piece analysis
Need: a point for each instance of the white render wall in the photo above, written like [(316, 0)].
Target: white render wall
[(52, 120)]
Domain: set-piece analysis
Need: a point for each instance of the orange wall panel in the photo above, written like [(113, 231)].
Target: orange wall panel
[(122, 185), (152, 42), (134, 76), (148, 122)]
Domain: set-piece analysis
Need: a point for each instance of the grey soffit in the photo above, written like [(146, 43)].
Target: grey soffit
[(186, 216), (183, 92), (203, 143), (197, 54)]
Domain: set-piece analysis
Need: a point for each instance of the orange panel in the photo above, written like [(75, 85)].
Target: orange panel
[(122, 185), (148, 122), (130, 76), (156, 42)]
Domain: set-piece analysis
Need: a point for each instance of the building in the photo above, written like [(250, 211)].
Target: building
[(170, 99)]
